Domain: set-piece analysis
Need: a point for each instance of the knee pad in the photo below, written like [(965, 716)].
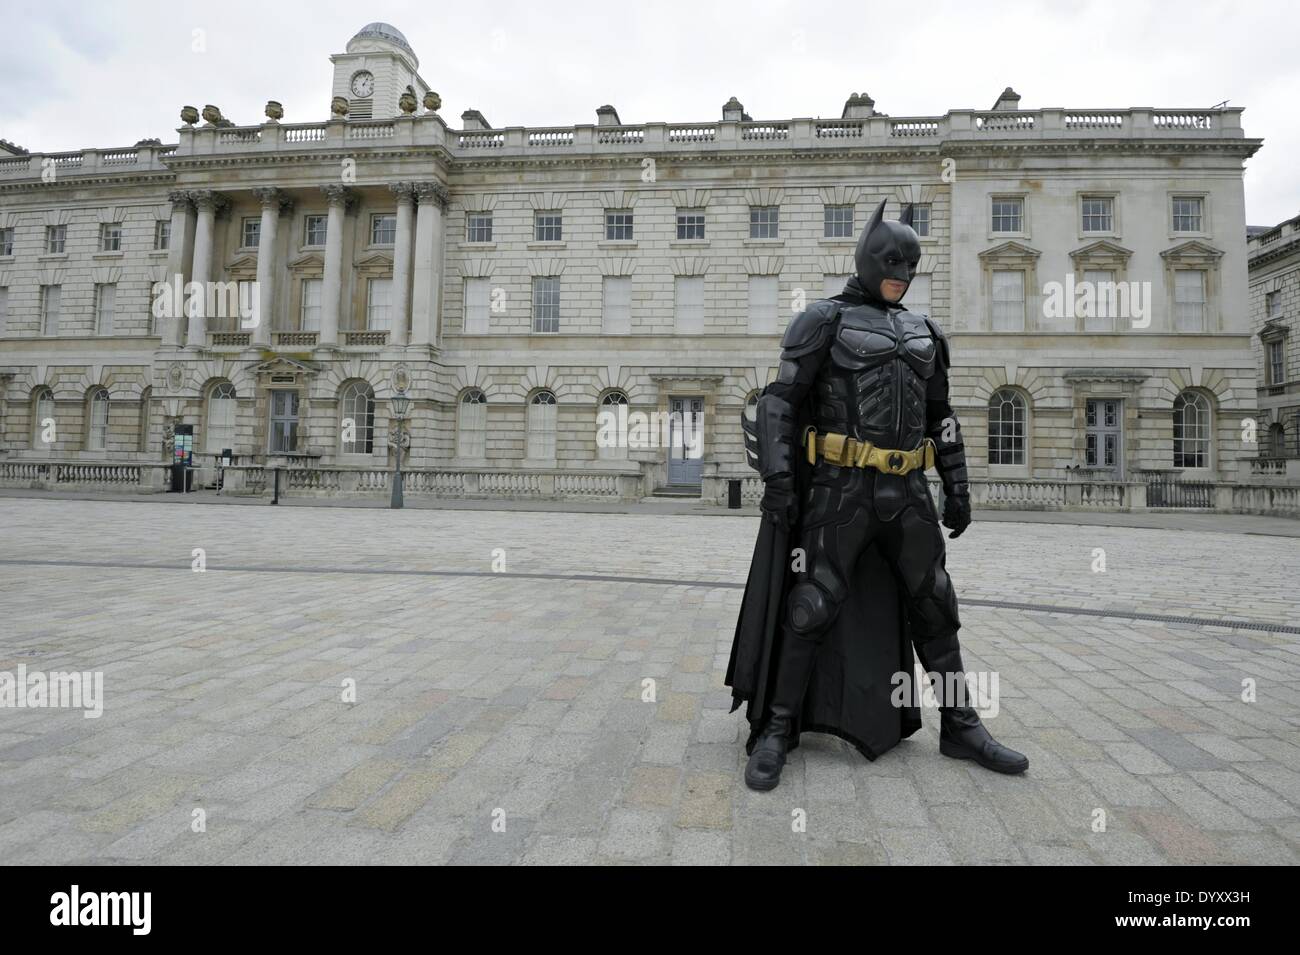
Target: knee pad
[(810, 608)]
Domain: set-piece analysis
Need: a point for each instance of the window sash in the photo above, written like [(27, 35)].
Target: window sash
[(546, 304), (616, 305), (1008, 301), (379, 305), (548, 227), (97, 433), (921, 218), (764, 222), (690, 224), (383, 229), (6, 242), (251, 234), (541, 430), (688, 307), (478, 306), (309, 317), (764, 296), (51, 308), (837, 222), (471, 429), (1188, 213), (56, 237), (1189, 300), (315, 230), (162, 235), (618, 225), (1098, 214), (105, 306), (478, 227), (1008, 215)]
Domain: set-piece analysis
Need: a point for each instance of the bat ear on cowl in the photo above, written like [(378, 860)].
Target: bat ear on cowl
[(906, 217), (877, 217)]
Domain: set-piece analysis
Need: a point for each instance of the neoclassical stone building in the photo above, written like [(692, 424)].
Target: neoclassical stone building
[(1275, 316), (516, 282)]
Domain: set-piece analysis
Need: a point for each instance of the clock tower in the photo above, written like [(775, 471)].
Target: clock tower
[(378, 67)]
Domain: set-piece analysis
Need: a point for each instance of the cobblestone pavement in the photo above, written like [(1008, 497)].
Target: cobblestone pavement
[(499, 716)]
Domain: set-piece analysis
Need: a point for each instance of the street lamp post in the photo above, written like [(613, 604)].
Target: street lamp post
[(399, 439)]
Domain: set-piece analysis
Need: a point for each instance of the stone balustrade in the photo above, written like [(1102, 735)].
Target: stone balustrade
[(957, 126)]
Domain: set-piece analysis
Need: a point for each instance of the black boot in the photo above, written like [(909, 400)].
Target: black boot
[(961, 732), (767, 758), (763, 771)]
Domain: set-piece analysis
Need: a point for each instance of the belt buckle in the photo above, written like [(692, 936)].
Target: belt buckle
[(896, 462)]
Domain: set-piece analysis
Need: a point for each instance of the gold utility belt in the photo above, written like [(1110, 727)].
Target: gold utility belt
[(848, 452)]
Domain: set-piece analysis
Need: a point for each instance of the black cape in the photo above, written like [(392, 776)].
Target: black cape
[(853, 678)]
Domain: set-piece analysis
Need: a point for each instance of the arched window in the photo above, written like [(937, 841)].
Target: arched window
[(142, 432), (541, 426), (43, 423), (357, 418), (220, 430), (1276, 441), (471, 425), (1007, 416), (97, 420), (1191, 430), (611, 427)]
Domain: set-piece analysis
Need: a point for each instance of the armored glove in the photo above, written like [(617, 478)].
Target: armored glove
[(956, 513), (779, 504)]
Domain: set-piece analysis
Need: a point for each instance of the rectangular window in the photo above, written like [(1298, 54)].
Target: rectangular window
[(917, 298), (1187, 213), (618, 225), (548, 226), (1098, 214), (315, 228), (1008, 215), (379, 302), (110, 237), (1276, 362), (55, 238), (309, 316), (833, 285), (837, 222), (105, 306), (4, 310), (6, 242), (250, 236), (1273, 304), (1101, 316), (383, 229), (921, 218), (1009, 301), (546, 303), (162, 235), (688, 304), (764, 222), (1189, 300), (478, 227), (478, 302), (616, 307), (284, 422), (541, 430), (690, 224), (51, 307), (762, 304)]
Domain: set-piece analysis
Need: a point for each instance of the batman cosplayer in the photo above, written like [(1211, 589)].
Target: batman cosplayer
[(848, 572)]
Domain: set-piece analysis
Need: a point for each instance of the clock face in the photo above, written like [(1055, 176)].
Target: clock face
[(363, 83)]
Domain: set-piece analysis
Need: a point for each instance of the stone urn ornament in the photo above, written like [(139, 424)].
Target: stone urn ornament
[(189, 115), (432, 101), (274, 111), (407, 103), (339, 106), (212, 115)]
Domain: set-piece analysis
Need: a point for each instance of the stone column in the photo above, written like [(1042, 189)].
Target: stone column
[(405, 193), (428, 263), (171, 328), (274, 203), (206, 202), (332, 284)]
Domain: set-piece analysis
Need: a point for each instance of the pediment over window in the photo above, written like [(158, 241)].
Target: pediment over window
[(1010, 253), (1274, 332), (1192, 252), (242, 263), (377, 263), (282, 366), (1103, 252), (308, 262)]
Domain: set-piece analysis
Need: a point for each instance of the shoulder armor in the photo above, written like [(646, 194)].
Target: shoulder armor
[(942, 339), (810, 329)]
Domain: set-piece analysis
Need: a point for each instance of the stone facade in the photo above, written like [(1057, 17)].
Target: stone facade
[(430, 302), (1275, 317)]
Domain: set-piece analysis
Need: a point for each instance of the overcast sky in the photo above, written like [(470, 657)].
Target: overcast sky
[(81, 74)]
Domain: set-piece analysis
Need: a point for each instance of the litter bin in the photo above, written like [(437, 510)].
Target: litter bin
[(733, 493)]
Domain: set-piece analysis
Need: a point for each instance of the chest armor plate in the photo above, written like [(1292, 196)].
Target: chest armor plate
[(874, 385)]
